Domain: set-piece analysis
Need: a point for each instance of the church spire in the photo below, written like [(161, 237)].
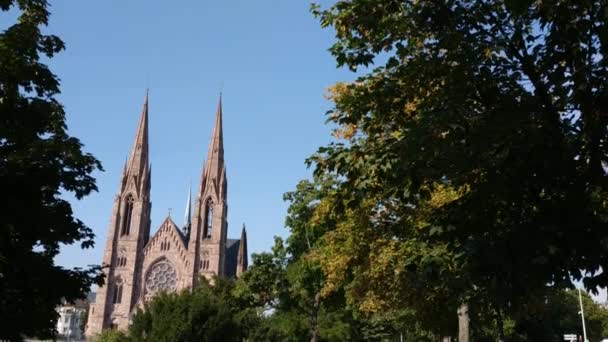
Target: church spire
[(188, 215), (214, 173), (137, 167), (215, 156), (241, 261)]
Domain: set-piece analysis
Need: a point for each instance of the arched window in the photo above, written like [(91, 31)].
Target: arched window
[(165, 245), (121, 258), (209, 220), (117, 298), (121, 261), (205, 261), (127, 213)]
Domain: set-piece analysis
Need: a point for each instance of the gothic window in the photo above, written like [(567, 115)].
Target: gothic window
[(209, 219), (161, 277), (121, 261), (205, 261), (117, 298), (165, 245), (127, 213)]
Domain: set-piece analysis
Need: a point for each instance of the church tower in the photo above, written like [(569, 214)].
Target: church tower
[(129, 231), (207, 240), (139, 266)]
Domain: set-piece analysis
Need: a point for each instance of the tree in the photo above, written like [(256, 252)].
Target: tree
[(287, 283), (39, 160), (272, 284), (500, 105), (111, 336), (207, 313), (556, 316)]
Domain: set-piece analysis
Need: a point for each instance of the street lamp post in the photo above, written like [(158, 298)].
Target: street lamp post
[(580, 299)]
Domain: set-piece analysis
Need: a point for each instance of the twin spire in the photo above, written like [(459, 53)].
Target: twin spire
[(137, 165)]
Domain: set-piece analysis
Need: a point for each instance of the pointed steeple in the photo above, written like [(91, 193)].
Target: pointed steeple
[(214, 173), (242, 258), (137, 166), (188, 215), (215, 154)]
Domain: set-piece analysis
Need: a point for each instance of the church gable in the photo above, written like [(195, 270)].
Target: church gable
[(168, 241)]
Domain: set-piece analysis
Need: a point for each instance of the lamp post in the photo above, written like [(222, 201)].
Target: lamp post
[(580, 299)]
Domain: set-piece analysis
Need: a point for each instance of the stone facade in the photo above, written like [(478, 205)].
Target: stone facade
[(173, 259)]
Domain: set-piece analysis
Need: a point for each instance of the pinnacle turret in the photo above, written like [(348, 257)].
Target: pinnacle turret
[(242, 257)]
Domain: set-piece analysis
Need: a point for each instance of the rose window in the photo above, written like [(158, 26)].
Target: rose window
[(161, 277)]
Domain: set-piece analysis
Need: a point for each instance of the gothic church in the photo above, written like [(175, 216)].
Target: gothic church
[(174, 258)]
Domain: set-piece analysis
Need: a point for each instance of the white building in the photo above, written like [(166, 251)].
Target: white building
[(70, 317)]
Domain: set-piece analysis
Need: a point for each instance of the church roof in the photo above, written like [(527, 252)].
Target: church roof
[(232, 251)]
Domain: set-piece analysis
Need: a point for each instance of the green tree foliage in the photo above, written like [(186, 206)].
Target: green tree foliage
[(207, 313), (556, 316), (472, 155), (39, 160), (286, 284), (111, 336), (283, 291)]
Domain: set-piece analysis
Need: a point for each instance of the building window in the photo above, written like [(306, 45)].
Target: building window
[(165, 245), (204, 261), (161, 276), (127, 213), (121, 261), (209, 219), (117, 298)]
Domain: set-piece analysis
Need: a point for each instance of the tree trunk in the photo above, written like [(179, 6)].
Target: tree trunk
[(501, 328), (463, 323), (314, 329)]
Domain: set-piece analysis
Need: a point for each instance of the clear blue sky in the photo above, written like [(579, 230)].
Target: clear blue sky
[(270, 59)]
